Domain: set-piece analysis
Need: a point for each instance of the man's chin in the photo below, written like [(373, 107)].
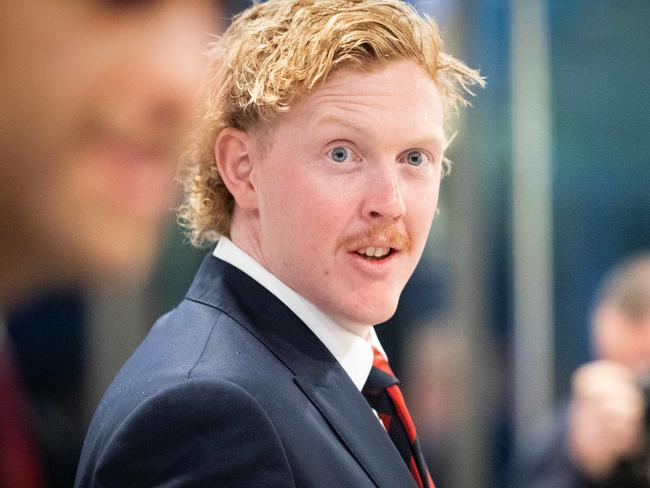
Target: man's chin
[(360, 318)]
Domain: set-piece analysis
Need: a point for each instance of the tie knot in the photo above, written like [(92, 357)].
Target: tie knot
[(380, 362), (381, 375)]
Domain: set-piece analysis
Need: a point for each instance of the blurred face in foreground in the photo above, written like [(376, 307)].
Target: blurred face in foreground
[(343, 188), (95, 97)]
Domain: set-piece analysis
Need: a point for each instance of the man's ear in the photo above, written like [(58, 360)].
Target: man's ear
[(233, 152)]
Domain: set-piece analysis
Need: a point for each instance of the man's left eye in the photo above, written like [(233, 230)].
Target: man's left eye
[(416, 158), (340, 154)]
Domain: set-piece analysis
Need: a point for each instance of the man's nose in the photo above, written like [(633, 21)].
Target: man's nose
[(384, 200)]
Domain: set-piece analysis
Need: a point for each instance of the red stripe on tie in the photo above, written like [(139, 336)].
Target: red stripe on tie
[(400, 405), (413, 468), (385, 420)]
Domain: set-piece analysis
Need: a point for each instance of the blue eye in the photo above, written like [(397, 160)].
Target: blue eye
[(416, 158), (339, 154)]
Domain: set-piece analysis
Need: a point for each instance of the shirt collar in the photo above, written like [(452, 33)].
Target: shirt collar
[(353, 352)]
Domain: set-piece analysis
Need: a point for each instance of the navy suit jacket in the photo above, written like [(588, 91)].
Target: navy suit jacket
[(232, 389)]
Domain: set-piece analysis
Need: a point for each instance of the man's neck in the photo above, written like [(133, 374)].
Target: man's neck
[(361, 330)]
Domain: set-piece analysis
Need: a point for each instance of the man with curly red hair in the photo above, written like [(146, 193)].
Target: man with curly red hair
[(316, 164)]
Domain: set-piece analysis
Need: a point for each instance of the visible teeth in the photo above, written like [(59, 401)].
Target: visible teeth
[(380, 251), (376, 252)]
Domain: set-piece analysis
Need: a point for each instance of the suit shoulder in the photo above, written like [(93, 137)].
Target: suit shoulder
[(209, 430)]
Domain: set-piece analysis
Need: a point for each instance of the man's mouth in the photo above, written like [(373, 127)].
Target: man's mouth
[(378, 243), (375, 253)]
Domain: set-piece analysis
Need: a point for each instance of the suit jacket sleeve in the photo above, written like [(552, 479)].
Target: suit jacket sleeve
[(196, 434)]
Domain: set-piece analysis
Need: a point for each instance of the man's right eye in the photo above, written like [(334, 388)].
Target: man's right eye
[(340, 154)]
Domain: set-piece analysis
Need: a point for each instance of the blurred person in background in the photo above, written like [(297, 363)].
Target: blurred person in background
[(95, 100), (602, 439), (316, 165), (435, 376)]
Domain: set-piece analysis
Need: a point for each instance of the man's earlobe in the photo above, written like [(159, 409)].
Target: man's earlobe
[(232, 152)]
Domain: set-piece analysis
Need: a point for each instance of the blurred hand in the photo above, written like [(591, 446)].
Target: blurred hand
[(606, 417)]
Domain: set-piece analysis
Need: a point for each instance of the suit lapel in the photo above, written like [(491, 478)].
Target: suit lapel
[(316, 371), (351, 418)]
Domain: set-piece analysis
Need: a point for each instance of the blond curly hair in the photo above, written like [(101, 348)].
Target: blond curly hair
[(277, 51)]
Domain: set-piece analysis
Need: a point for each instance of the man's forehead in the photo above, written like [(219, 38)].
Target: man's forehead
[(351, 96), (365, 100)]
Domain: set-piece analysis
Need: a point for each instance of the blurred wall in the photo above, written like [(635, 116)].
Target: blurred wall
[(601, 155)]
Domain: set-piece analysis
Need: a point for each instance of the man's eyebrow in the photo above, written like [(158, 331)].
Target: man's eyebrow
[(336, 120), (433, 142), (428, 141)]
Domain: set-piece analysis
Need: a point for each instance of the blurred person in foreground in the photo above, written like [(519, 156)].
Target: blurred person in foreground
[(95, 99), (317, 160), (602, 438)]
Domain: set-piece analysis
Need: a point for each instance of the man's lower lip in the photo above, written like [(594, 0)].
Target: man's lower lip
[(374, 264)]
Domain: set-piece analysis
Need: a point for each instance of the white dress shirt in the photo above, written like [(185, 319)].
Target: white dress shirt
[(352, 351)]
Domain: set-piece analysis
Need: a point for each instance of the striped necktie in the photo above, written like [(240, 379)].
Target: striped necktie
[(384, 395)]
